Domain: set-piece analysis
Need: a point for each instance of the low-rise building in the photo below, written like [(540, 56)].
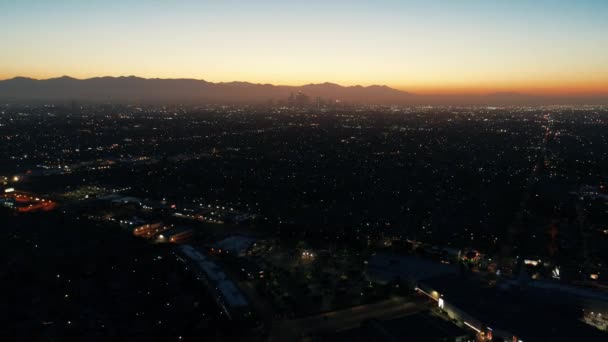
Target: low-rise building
[(224, 290)]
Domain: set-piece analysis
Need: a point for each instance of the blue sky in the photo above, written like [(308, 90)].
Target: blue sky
[(466, 45)]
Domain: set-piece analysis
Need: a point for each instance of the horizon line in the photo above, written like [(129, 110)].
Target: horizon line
[(485, 92)]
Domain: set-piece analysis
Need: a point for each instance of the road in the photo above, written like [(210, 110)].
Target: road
[(292, 330), (516, 227)]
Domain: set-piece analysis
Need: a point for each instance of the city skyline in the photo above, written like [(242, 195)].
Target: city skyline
[(318, 170), (437, 47)]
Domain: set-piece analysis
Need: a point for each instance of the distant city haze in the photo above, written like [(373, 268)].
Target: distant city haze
[(137, 90), (545, 47)]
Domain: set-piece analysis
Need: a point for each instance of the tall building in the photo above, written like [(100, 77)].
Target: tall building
[(302, 99)]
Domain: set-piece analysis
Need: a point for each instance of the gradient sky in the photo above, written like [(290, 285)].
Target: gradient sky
[(451, 46)]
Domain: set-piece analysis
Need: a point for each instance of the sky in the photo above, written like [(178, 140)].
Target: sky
[(431, 46)]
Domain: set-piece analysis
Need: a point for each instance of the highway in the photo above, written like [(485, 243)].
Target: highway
[(291, 330)]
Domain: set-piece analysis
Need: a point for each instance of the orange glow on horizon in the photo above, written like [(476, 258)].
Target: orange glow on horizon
[(540, 89), (578, 87)]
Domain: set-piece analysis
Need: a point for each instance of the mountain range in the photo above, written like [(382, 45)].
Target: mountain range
[(137, 90)]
